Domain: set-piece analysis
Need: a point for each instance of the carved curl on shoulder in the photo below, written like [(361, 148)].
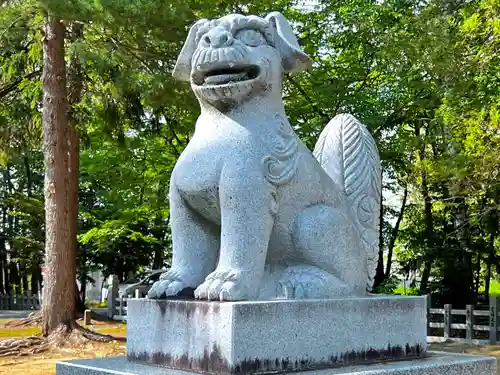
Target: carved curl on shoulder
[(282, 162)]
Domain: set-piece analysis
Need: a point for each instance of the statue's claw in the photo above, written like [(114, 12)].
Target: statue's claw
[(170, 284), (224, 285)]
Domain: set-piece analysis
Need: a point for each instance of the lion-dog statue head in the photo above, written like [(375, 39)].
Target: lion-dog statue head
[(236, 57)]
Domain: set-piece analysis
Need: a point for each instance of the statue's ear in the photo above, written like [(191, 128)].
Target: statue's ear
[(293, 58), (182, 68)]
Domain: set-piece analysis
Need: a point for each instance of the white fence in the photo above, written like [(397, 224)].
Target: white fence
[(19, 302), (470, 325), (117, 307)]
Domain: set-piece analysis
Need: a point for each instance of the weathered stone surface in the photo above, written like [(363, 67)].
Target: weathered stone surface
[(434, 364), (265, 337), (254, 214)]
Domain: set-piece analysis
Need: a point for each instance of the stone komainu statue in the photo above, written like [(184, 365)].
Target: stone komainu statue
[(255, 214)]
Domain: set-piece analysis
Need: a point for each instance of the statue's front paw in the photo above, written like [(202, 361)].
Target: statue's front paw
[(170, 284), (225, 285)]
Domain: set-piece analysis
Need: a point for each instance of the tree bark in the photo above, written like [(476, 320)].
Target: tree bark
[(35, 279), (462, 291), (14, 278), (489, 265), (75, 88), (492, 228), (60, 243), (429, 223), (8, 285), (24, 279), (2, 286), (424, 282), (477, 281), (27, 169), (394, 234), (80, 302), (83, 289), (8, 225), (158, 258), (3, 249)]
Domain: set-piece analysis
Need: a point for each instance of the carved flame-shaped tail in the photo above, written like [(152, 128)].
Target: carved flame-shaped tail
[(348, 153)]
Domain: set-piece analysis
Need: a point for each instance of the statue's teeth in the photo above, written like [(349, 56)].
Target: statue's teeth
[(206, 57), (225, 78)]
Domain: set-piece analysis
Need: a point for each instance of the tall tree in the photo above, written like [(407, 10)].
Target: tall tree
[(60, 185)]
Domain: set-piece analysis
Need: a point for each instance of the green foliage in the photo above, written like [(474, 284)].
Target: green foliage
[(423, 77), (389, 286), (494, 288)]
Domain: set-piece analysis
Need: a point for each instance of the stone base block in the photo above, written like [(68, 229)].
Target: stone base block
[(275, 336), (434, 364)]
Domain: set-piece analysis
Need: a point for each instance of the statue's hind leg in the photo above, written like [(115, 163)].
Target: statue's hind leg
[(332, 257), (310, 282)]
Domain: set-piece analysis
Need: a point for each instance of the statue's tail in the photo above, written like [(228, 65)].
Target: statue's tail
[(348, 153)]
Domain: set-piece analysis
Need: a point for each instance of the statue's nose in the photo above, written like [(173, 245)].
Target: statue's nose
[(218, 37)]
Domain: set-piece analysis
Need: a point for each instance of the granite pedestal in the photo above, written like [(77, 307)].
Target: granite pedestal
[(275, 336), (373, 335)]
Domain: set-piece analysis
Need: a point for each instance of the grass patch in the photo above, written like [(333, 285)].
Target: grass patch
[(45, 363), (19, 332), (108, 328), (96, 304)]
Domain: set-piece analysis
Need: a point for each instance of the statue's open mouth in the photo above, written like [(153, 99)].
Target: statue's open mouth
[(226, 76)]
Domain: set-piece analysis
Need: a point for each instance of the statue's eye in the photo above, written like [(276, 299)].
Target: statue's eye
[(250, 37)]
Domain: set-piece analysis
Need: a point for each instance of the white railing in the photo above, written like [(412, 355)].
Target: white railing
[(481, 326), (8, 302)]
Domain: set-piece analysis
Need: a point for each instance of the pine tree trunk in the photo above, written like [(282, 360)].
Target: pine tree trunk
[(33, 284), (394, 234), (7, 284), (493, 226), (3, 241), (158, 259), (75, 88), (2, 288), (60, 209), (24, 279), (83, 290), (3, 252), (14, 278), (429, 222), (477, 279), (10, 273), (27, 169), (35, 279), (489, 265)]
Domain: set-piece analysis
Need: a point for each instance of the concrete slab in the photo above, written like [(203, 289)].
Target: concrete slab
[(435, 364)]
